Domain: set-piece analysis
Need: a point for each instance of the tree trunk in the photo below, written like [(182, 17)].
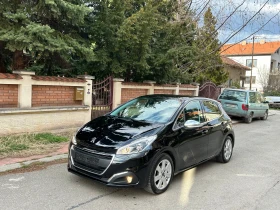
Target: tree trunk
[(2, 65), (18, 60)]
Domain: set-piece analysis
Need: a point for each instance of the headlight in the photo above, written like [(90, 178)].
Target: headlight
[(136, 146), (74, 141)]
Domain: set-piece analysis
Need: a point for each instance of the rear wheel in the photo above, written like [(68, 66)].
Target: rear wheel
[(249, 118), (265, 115), (160, 175), (226, 152)]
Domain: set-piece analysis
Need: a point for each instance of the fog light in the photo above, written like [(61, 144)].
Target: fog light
[(129, 179)]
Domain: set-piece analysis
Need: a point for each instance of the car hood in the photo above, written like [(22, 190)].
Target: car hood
[(108, 133)]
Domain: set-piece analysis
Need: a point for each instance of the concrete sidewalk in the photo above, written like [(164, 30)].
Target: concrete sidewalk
[(7, 164)]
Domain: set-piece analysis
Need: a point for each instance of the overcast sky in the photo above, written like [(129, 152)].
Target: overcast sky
[(258, 25)]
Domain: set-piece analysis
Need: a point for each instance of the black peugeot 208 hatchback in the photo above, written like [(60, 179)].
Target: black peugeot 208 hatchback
[(148, 140)]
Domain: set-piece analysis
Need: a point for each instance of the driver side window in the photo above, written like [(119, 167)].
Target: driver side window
[(192, 111)]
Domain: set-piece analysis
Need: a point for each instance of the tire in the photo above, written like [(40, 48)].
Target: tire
[(158, 183), (249, 118), (265, 115), (226, 153)]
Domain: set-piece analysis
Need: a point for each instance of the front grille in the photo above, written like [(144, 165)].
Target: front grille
[(90, 161)]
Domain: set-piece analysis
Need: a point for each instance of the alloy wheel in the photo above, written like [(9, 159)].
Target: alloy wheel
[(227, 149), (163, 173)]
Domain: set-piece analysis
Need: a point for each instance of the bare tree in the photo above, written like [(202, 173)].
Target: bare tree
[(263, 77)]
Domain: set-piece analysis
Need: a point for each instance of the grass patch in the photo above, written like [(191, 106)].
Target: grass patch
[(32, 144), (18, 147), (49, 138)]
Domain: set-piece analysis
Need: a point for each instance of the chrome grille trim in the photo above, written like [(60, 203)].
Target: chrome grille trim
[(93, 152)]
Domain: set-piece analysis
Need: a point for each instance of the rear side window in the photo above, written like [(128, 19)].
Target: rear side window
[(252, 97), (211, 110), (233, 95)]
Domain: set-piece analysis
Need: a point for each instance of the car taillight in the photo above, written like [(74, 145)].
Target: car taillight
[(245, 107)]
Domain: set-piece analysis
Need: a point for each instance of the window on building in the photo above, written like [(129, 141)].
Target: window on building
[(249, 62), (247, 80)]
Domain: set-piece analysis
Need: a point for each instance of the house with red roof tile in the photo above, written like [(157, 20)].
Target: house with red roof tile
[(266, 60), (236, 72)]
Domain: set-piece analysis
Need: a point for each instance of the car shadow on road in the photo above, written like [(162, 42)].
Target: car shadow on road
[(89, 183)]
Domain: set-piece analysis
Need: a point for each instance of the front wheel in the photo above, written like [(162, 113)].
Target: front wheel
[(226, 152), (160, 175)]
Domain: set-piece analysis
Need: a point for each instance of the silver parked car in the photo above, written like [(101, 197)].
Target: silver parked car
[(273, 99)]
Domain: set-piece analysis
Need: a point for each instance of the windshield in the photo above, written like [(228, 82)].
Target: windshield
[(233, 95), (150, 109)]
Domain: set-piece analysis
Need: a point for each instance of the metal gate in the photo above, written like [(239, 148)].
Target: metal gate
[(102, 97), (209, 90)]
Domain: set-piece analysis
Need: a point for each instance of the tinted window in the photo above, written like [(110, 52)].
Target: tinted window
[(211, 110), (150, 109), (233, 95), (192, 111)]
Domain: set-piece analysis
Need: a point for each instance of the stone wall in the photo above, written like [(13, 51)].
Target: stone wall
[(125, 91), (30, 103), (8, 96), (44, 95)]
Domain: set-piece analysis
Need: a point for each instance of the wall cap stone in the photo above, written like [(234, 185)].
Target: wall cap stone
[(57, 79), (43, 109), (10, 76)]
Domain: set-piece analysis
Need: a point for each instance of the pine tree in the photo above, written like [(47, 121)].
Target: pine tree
[(44, 35), (208, 61)]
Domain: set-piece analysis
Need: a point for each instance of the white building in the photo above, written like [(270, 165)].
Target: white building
[(266, 60)]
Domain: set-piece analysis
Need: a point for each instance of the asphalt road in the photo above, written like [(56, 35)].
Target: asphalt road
[(251, 180)]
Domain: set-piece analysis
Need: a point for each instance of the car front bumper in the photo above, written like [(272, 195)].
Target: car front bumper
[(110, 169)]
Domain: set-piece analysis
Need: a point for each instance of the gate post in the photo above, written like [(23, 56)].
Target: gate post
[(196, 91), (25, 89), (87, 93), (117, 92), (152, 88), (177, 91)]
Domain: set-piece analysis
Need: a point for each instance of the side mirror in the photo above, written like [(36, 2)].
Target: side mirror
[(266, 102), (191, 124)]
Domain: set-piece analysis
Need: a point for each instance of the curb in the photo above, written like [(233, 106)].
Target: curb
[(12, 166)]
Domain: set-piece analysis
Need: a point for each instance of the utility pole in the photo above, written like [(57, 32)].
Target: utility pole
[(252, 62)]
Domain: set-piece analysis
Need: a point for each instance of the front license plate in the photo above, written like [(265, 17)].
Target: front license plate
[(87, 160)]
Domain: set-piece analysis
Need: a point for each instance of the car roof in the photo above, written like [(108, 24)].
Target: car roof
[(240, 90), (183, 97)]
